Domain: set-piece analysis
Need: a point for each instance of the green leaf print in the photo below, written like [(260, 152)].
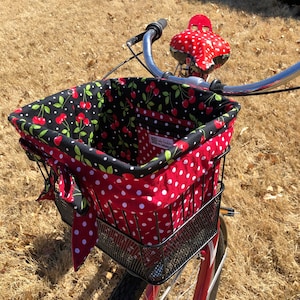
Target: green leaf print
[(168, 155), (218, 97), (77, 150), (35, 106)]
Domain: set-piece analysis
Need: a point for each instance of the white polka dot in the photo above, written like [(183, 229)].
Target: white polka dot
[(77, 250), (76, 232), (83, 242), (164, 192), (84, 223), (141, 206)]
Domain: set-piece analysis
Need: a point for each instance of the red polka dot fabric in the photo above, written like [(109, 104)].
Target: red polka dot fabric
[(136, 162), (207, 49)]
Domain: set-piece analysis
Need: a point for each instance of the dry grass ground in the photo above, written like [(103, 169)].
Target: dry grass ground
[(47, 46)]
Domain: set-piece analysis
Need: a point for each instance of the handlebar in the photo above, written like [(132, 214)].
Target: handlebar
[(154, 31)]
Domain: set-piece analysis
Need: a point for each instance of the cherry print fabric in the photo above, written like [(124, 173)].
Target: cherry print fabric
[(208, 50), (140, 152)]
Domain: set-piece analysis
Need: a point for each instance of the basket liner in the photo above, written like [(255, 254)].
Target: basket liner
[(133, 146)]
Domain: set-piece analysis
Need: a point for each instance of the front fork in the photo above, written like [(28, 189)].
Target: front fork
[(207, 275)]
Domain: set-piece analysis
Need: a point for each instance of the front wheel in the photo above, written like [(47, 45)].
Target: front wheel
[(181, 286)]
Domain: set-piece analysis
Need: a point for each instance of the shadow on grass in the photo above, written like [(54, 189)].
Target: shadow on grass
[(265, 8), (52, 254)]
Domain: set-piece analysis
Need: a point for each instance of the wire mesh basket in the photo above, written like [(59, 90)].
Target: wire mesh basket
[(138, 160), (157, 263)]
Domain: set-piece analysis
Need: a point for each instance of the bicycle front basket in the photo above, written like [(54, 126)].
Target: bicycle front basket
[(133, 146)]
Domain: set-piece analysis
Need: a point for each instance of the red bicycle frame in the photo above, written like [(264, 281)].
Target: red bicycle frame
[(206, 274)]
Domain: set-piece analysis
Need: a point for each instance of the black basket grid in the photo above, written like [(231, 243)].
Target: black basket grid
[(157, 263)]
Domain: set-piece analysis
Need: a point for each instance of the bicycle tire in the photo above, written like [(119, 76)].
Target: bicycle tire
[(132, 288), (128, 288)]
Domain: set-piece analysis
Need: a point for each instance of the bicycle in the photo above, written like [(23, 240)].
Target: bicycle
[(116, 173)]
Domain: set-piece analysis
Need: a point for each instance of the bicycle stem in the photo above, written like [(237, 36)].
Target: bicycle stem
[(197, 82)]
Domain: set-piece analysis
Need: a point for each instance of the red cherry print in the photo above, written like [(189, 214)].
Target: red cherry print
[(201, 106), (148, 89), (86, 121), (80, 117), (99, 152), (129, 102), (133, 94), (57, 140), (174, 111), (18, 110), (185, 103), (192, 99), (191, 92), (108, 95), (88, 105), (228, 107), (209, 110), (38, 120), (124, 129), (82, 104), (59, 119), (182, 145), (104, 135), (99, 145), (152, 85), (117, 123), (219, 124), (122, 81), (156, 92), (42, 121), (35, 120), (202, 139), (74, 93)]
